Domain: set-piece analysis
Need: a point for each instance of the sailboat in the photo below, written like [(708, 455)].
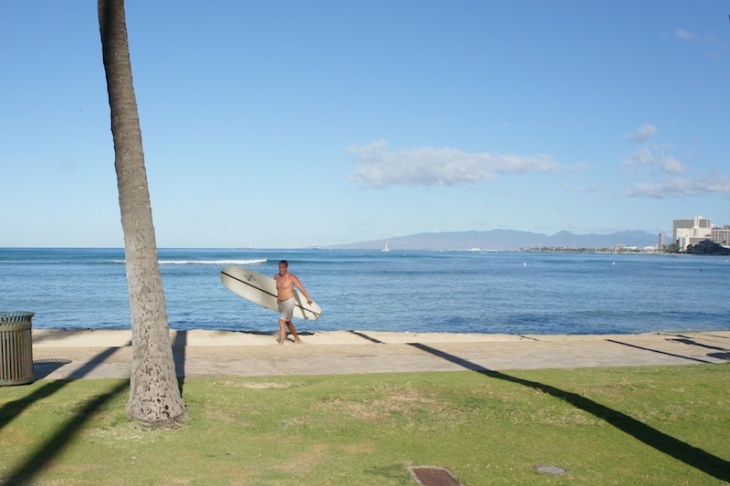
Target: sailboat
[(386, 247)]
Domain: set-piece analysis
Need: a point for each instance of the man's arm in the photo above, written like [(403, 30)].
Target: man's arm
[(301, 287)]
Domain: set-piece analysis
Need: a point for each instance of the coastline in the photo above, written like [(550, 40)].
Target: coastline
[(75, 354), (204, 337)]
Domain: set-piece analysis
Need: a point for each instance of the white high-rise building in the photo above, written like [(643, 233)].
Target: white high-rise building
[(691, 231)]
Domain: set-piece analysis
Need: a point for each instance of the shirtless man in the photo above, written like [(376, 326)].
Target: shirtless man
[(285, 283)]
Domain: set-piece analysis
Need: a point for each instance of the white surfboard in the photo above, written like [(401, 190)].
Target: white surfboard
[(261, 290)]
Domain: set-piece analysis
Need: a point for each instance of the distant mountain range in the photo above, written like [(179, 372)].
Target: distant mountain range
[(504, 240)]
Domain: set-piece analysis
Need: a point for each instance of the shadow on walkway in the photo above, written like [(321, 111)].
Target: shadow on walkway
[(179, 349), (658, 351), (692, 456), (44, 367), (366, 337), (693, 342)]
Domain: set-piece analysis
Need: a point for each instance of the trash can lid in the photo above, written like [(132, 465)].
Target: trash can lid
[(15, 316)]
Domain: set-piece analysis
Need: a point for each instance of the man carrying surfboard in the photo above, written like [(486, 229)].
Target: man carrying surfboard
[(285, 283)]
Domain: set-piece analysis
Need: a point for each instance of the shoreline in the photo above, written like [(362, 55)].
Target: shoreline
[(204, 337)]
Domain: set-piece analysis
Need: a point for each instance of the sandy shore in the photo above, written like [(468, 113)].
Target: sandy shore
[(76, 354), (198, 337)]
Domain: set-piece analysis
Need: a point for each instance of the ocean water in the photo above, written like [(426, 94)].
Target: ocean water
[(414, 291)]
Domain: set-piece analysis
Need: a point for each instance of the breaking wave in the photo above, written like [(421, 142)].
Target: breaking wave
[(256, 261)]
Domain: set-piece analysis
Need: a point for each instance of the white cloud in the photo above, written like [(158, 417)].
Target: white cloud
[(682, 187), (650, 156), (671, 165), (381, 167), (684, 35), (641, 157), (643, 133), (659, 174)]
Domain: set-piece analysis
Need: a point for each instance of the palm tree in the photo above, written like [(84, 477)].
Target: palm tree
[(154, 397)]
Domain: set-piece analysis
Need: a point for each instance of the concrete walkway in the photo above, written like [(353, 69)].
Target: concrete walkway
[(59, 354)]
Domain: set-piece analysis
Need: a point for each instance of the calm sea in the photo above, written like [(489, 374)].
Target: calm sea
[(417, 291)]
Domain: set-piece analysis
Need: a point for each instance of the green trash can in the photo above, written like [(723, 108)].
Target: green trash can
[(16, 348)]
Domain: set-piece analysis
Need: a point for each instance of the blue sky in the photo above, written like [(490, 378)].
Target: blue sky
[(285, 124)]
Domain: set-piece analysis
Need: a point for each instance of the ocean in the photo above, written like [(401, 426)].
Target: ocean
[(401, 291)]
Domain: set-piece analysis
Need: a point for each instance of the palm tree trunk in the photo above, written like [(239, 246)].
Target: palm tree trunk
[(154, 397)]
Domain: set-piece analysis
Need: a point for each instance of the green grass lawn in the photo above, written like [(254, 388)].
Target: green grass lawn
[(647, 425)]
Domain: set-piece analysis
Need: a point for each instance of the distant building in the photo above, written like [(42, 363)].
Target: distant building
[(688, 232), (661, 241), (721, 236)]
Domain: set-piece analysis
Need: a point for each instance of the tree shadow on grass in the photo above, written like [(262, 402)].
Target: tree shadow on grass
[(46, 452), (11, 410), (692, 456)]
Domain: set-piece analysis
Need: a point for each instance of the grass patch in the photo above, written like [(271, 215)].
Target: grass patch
[(647, 425)]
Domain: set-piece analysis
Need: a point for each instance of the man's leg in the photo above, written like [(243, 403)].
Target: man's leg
[(282, 331), (293, 331)]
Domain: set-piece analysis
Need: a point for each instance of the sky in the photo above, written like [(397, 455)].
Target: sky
[(291, 124)]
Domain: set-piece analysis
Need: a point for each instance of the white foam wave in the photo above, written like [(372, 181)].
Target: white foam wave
[(256, 261)]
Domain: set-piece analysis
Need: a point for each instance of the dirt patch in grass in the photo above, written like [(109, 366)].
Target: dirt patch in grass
[(307, 460), (266, 385)]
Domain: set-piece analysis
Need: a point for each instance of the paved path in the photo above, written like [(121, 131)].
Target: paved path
[(107, 354)]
